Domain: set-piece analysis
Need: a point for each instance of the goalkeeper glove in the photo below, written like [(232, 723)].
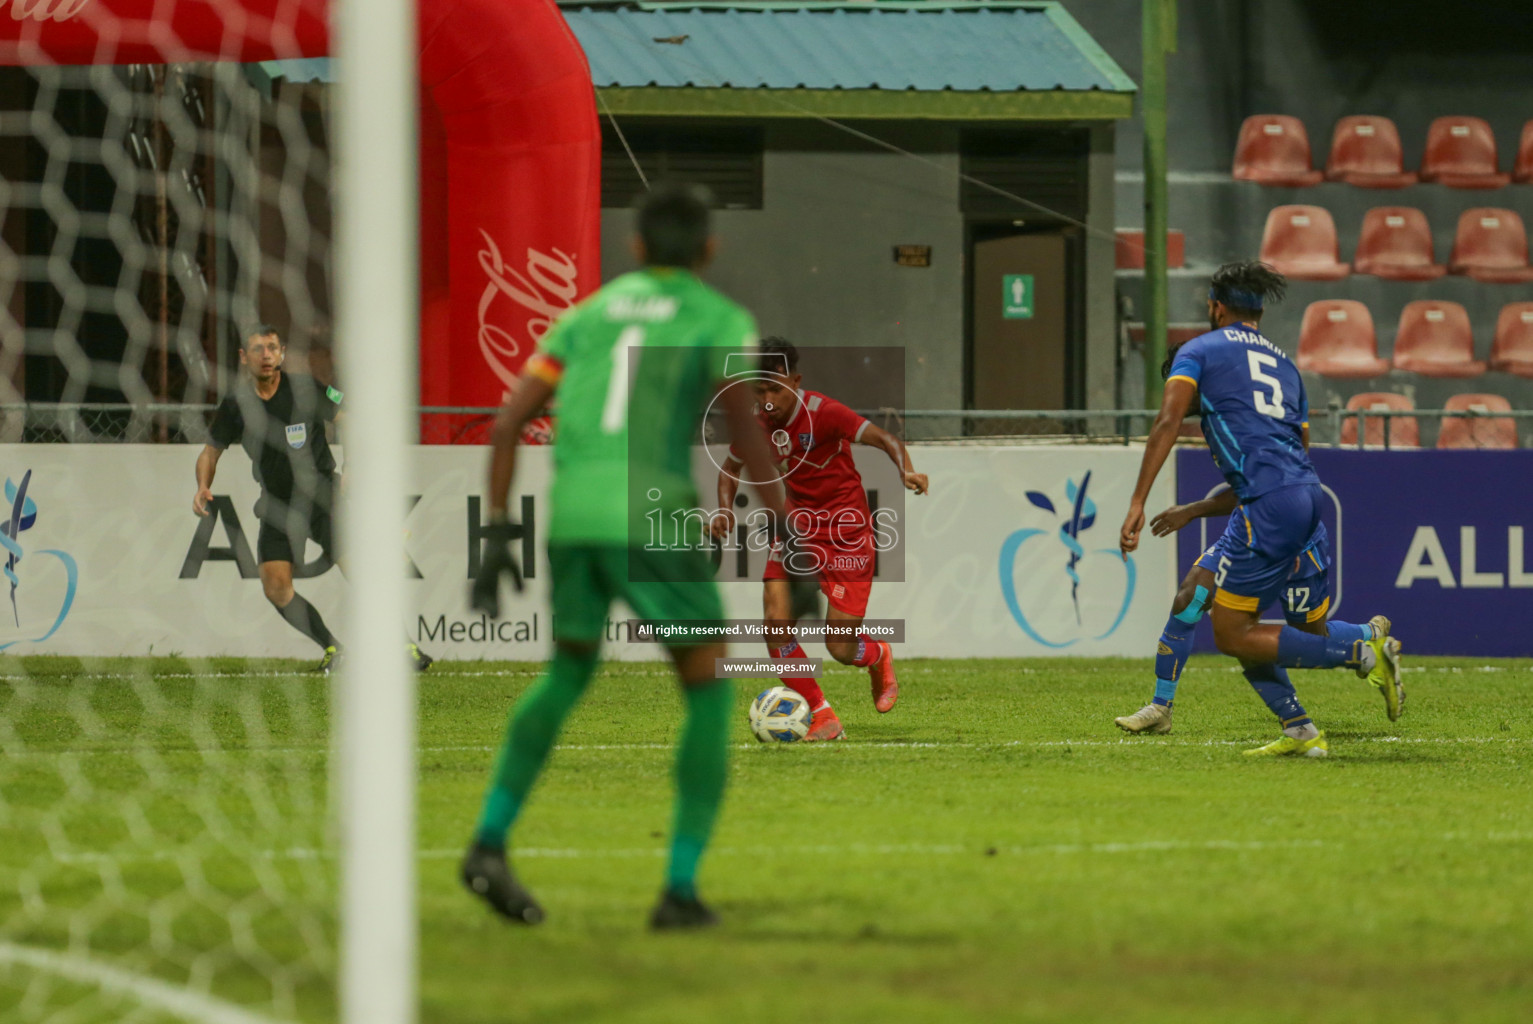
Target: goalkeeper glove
[(497, 560)]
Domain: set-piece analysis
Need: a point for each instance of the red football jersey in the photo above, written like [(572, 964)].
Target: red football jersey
[(814, 453)]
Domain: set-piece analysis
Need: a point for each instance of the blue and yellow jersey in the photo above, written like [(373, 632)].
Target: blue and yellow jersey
[(1254, 409)]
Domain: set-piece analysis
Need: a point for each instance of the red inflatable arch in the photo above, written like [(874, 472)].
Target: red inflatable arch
[(510, 150)]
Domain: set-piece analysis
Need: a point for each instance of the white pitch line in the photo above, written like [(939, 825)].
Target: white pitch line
[(186, 1004), (1142, 743), (829, 850)]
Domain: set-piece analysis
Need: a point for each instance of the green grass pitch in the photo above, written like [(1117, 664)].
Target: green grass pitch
[(993, 850)]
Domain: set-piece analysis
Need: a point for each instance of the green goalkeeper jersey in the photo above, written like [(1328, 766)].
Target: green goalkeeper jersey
[(637, 363)]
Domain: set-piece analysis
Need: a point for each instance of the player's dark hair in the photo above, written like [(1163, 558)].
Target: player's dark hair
[(775, 352), (260, 331), (674, 225), (1245, 287)]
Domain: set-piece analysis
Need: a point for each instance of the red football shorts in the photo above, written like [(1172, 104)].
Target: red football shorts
[(845, 571)]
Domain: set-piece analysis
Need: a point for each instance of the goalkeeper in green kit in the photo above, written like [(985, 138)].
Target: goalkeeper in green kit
[(634, 368)]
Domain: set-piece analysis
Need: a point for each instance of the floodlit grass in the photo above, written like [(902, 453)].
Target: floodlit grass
[(993, 850)]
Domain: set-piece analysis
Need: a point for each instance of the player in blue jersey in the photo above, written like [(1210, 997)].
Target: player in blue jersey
[(1255, 418), (1195, 594)]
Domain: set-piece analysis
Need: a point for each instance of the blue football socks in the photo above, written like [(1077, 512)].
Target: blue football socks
[(1175, 645), (1343, 647), (1272, 685), (1165, 689)]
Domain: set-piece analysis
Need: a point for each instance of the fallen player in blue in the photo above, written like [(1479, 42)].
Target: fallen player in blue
[(1255, 418)]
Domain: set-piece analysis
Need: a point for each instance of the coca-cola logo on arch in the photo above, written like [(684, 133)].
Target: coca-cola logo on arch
[(543, 290)]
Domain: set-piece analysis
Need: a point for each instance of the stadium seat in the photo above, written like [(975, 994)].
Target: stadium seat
[(1337, 340), (1129, 248), (1491, 245), (1176, 334), (1522, 170), (1404, 432), (1366, 152), (1273, 149), (1434, 340), (1396, 243), (1461, 153), (1463, 432), (1512, 351), (1300, 242)]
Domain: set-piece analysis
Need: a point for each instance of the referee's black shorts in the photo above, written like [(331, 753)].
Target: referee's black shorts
[(287, 525)]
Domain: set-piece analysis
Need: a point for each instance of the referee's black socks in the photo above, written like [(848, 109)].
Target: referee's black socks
[(305, 618)]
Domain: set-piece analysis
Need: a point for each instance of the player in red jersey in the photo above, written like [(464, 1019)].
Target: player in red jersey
[(812, 435)]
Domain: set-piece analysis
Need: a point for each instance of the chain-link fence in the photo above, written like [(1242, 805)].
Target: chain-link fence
[(84, 423)]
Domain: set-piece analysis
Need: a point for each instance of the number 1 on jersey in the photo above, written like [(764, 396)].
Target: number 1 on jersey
[(614, 411), (1272, 406)]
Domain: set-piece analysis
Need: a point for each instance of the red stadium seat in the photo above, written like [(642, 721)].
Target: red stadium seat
[(1396, 242), (1464, 432), (1337, 340), (1522, 170), (1461, 153), (1129, 248), (1434, 340), (1273, 149), (1491, 245), (1404, 432), (1365, 151), (1300, 242), (1176, 334), (1512, 351)]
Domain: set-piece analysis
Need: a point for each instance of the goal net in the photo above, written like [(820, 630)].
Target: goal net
[(170, 833)]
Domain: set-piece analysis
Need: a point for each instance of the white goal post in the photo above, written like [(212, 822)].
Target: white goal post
[(376, 311)]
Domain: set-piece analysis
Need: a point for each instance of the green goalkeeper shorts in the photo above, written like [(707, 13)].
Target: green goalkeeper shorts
[(658, 586)]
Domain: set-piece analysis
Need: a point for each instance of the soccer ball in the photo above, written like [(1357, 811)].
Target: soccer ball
[(780, 715)]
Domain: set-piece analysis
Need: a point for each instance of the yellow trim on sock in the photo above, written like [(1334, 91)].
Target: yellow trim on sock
[(1236, 601), (1317, 614)]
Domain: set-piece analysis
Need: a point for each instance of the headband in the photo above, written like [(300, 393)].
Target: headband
[(1236, 298)]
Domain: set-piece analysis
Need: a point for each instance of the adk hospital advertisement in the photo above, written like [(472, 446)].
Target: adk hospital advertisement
[(1013, 553)]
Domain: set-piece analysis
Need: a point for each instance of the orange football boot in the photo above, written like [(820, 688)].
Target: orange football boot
[(825, 726), (886, 690)]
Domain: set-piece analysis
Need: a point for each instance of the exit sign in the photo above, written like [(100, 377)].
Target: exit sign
[(1017, 296)]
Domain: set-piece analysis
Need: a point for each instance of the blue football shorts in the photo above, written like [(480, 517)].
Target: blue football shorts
[(1275, 548)]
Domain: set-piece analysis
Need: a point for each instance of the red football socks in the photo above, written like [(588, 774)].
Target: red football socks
[(868, 651), (804, 686)]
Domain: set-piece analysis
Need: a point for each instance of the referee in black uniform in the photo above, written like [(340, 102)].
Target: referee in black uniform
[(279, 419)]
